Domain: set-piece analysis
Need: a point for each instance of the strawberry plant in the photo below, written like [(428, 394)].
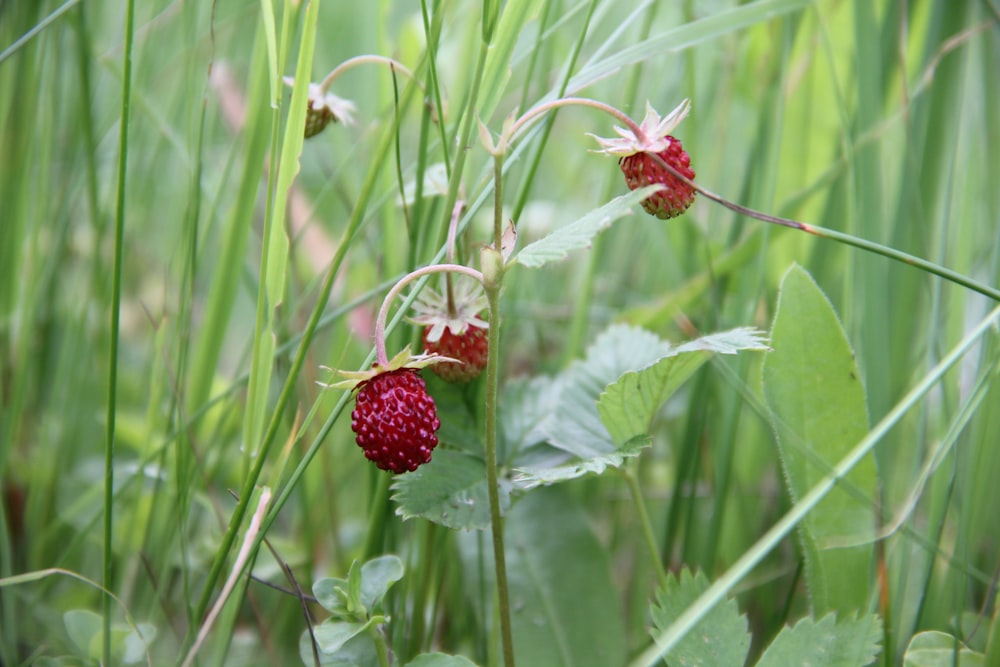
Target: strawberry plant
[(330, 333)]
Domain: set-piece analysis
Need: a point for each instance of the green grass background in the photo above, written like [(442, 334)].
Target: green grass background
[(877, 118)]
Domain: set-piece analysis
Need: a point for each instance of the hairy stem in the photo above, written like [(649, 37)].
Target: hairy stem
[(840, 237), (492, 285), (381, 358)]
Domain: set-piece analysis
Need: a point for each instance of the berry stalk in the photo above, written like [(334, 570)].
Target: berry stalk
[(395, 65), (840, 237), (381, 358)]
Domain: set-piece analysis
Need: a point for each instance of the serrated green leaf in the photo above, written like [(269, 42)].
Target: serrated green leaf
[(340, 645), (578, 235), (565, 609), (529, 477), (523, 407), (377, 577), (853, 642), (450, 490), (940, 649), (721, 638), (628, 405), (460, 430), (817, 406), (627, 374), (576, 426), (440, 660)]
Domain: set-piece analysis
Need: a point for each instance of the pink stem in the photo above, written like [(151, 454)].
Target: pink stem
[(532, 114), (360, 60), (381, 358)]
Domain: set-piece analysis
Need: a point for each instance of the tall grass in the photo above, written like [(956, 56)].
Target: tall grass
[(250, 259)]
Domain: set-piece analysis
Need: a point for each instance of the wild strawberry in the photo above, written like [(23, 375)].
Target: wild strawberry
[(470, 347), (395, 420), (641, 169), (322, 108), (641, 157), (453, 329)]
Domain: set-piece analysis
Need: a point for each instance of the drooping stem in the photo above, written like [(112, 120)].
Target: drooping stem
[(493, 274), (381, 358), (840, 237), (533, 114), (366, 59)]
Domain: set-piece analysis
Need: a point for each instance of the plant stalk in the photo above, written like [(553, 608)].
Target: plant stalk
[(645, 525), (492, 284), (116, 297)]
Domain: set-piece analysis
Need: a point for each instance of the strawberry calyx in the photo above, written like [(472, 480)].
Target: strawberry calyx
[(404, 359)]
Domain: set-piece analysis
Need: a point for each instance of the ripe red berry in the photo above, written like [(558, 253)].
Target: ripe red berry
[(395, 420), (643, 169), (470, 347)]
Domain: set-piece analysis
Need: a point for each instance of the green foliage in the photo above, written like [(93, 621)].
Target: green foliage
[(556, 431), (451, 490), (346, 637), (828, 642), (817, 405), (564, 605), (627, 406), (580, 234), (939, 649), (721, 639), (129, 645), (252, 257)]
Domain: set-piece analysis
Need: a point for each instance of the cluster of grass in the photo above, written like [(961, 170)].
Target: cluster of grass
[(177, 266)]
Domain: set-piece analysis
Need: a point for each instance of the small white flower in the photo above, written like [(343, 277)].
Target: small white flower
[(322, 102), (431, 309), (654, 129)]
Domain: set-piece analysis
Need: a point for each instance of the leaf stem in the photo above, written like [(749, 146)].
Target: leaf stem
[(380, 647), (533, 114), (840, 237)]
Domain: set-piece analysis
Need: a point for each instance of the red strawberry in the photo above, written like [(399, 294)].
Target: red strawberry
[(395, 420), (469, 347), (454, 329), (643, 169), (640, 150)]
